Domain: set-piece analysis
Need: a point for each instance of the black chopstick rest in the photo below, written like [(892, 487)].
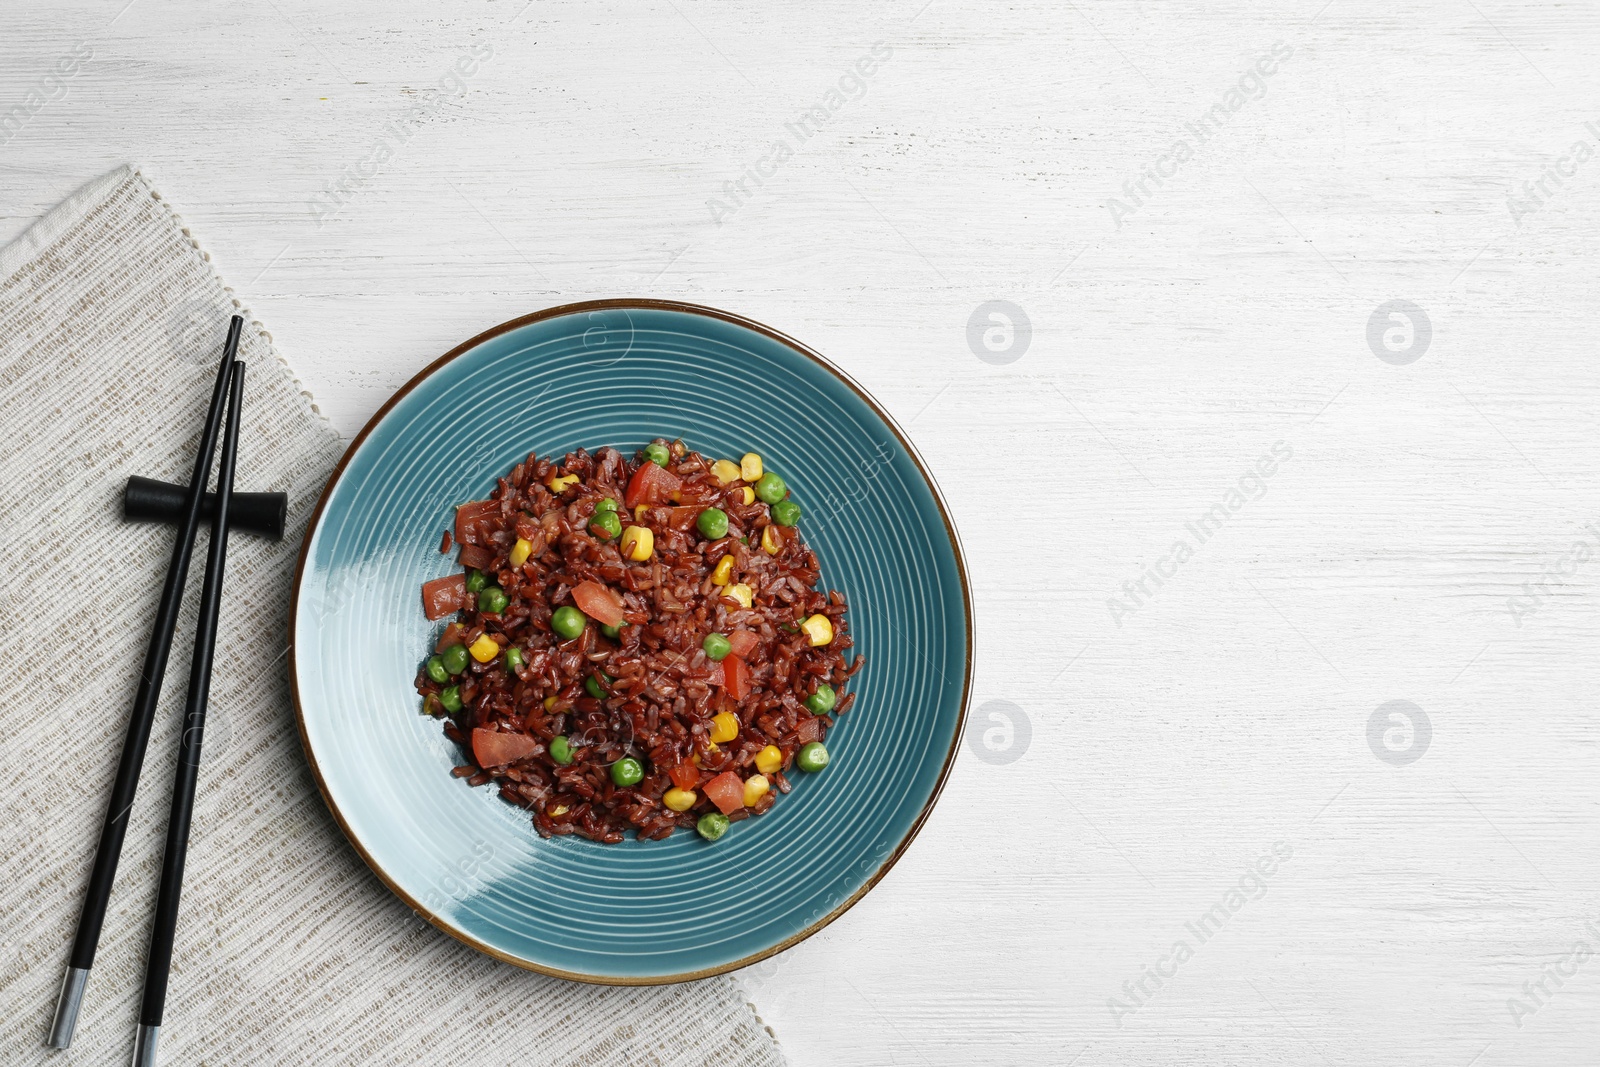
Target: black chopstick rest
[(149, 500)]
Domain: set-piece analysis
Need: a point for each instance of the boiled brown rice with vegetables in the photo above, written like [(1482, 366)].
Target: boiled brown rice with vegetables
[(641, 643)]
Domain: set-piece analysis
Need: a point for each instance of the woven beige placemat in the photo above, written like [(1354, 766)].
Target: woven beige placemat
[(289, 951)]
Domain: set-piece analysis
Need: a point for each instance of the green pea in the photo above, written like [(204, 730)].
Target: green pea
[(812, 758), (626, 771), (595, 684), (476, 581), (822, 701), (436, 670), (605, 524), (454, 658), (711, 825), (450, 697), (716, 646), (657, 453), (513, 658), (493, 599), (770, 488), (786, 513), (613, 632), (568, 622), (713, 523), (561, 750), (606, 504)]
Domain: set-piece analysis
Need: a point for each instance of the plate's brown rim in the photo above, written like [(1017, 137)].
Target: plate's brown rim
[(626, 304)]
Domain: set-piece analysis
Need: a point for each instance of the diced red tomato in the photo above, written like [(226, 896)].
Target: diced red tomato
[(652, 485), (475, 522), (445, 596), (492, 748), (744, 642), (599, 603), (685, 775), (453, 634), (726, 791), (476, 557), (736, 677)]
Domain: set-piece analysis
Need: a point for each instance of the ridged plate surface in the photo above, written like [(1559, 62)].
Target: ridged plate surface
[(621, 373)]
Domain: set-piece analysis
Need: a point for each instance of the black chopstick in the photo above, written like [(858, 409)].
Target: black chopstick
[(115, 827), (159, 961)]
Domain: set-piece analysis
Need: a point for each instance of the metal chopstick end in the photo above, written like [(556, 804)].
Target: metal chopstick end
[(144, 1046), (67, 1005)]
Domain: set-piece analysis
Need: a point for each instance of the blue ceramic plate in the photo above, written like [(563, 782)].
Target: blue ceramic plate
[(621, 373)]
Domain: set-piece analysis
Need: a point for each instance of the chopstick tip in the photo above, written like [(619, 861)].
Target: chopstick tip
[(67, 1005), (144, 1046)]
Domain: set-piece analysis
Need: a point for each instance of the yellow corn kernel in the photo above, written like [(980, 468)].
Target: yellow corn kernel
[(741, 593), (559, 809), (819, 628), (755, 787), (549, 702), (722, 573), (639, 512), (726, 471), (747, 495), (484, 648), (638, 542), (769, 759), (563, 483), (724, 727), (521, 551), (680, 799), (750, 467), (771, 540)]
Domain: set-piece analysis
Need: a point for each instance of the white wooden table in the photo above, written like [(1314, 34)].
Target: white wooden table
[(1180, 332)]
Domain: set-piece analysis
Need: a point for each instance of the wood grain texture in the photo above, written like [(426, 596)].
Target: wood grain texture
[(1228, 312)]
